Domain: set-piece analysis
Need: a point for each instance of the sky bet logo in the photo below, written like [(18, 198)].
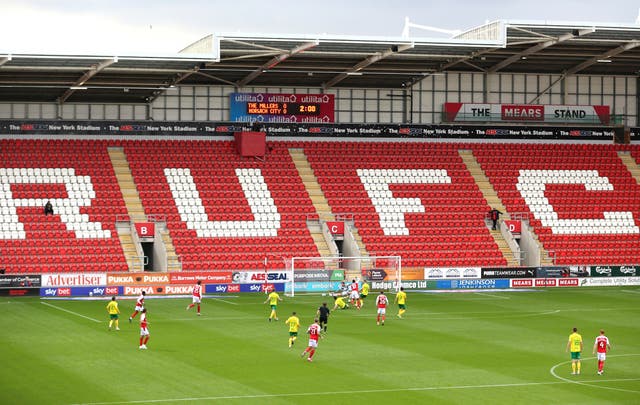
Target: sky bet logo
[(221, 288)]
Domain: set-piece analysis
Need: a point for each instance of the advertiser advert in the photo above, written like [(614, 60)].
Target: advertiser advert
[(221, 288), (522, 283), (503, 272), (318, 275), (406, 284), (279, 287), (19, 291), (283, 129), (73, 279), (609, 281), (249, 277), (546, 282), (13, 280), (281, 107), (137, 278), (80, 291), (444, 273), (389, 275), (568, 282), (614, 271), (320, 286), (471, 284), (207, 277)]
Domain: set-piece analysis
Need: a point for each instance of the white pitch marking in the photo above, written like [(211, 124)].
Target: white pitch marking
[(492, 295), (225, 301), (632, 291), (585, 383), (332, 393), (70, 312)]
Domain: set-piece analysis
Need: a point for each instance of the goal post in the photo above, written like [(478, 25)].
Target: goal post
[(322, 274)]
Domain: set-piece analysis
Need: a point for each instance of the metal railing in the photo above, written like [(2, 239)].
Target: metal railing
[(138, 261)]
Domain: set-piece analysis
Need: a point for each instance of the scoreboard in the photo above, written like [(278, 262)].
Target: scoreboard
[(276, 107)]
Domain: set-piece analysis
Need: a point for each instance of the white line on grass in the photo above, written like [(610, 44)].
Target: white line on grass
[(357, 392), (70, 312), (493, 295), (553, 373), (632, 291), (225, 301)]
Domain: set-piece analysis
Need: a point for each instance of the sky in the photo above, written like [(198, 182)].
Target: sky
[(140, 27)]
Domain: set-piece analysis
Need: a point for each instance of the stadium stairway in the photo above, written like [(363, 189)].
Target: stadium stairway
[(492, 199), (135, 211), (321, 204), (132, 203), (315, 194), (631, 164)]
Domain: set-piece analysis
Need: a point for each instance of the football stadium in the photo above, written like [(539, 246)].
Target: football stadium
[(467, 207)]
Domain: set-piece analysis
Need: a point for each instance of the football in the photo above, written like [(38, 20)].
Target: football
[(91, 294)]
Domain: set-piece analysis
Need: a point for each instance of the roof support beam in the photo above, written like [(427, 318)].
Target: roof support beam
[(277, 60), (536, 48), (604, 56), (172, 83), (586, 64), (355, 70), (86, 76), (5, 59)]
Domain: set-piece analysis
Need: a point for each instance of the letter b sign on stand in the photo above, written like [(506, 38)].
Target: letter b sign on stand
[(146, 231)]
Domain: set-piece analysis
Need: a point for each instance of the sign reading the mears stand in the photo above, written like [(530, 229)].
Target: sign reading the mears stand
[(583, 114)]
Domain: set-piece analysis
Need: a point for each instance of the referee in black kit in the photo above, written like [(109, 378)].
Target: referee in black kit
[(323, 316)]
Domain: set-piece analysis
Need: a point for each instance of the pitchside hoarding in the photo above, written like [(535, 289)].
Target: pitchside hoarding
[(98, 291), (15, 280), (73, 279), (611, 271), (451, 272)]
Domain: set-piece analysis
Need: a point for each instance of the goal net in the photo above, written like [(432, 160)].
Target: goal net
[(325, 274)]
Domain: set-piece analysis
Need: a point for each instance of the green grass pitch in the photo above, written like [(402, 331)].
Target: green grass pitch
[(453, 348)]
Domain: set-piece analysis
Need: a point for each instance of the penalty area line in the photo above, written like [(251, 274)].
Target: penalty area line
[(70, 312)]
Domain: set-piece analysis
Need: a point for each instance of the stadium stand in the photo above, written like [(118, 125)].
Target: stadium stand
[(77, 178), (224, 211), (416, 200), (227, 212), (580, 199)]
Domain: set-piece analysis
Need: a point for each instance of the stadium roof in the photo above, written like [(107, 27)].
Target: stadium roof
[(323, 62)]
